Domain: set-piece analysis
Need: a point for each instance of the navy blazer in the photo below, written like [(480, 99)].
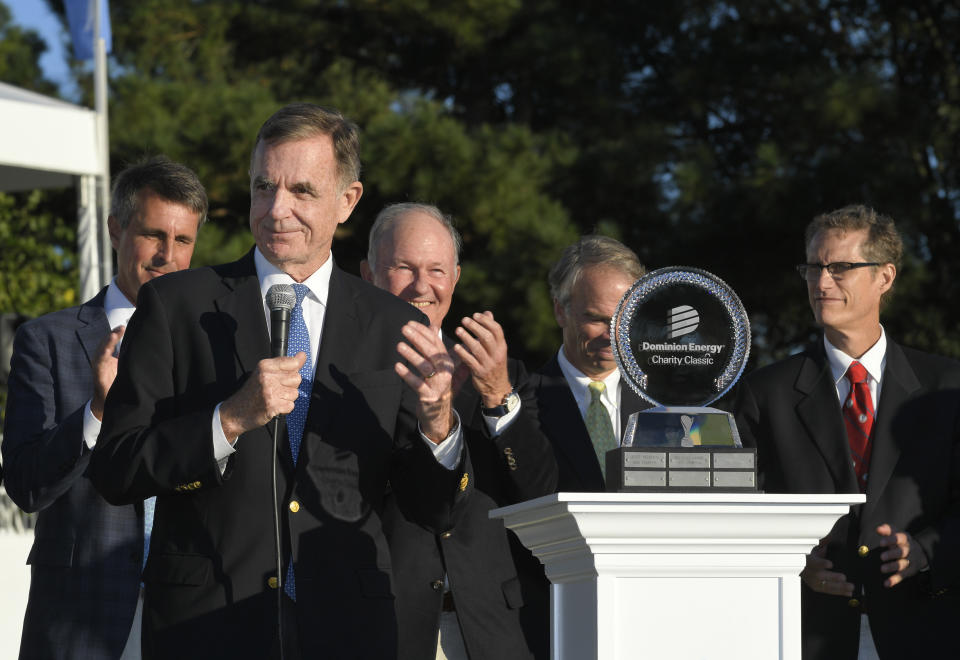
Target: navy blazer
[(86, 555), (475, 555), (790, 412), (563, 424), (210, 580)]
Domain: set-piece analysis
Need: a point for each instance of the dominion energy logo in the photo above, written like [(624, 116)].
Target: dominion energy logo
[(680, 337)]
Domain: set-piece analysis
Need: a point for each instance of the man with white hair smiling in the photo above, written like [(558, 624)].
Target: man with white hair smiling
[(457, 593)]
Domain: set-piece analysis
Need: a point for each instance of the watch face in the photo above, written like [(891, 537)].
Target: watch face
[(512, 401)]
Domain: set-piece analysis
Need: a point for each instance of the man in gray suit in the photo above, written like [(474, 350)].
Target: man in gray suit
[(87, 554)]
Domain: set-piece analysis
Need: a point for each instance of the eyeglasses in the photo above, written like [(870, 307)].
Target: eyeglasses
[(837, 269)]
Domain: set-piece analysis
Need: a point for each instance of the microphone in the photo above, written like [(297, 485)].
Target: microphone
[(281, 300)]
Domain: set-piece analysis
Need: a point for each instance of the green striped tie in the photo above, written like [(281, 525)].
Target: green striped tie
[(599, 426)]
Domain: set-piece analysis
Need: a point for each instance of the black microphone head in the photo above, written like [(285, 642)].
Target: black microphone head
[(281, 296)]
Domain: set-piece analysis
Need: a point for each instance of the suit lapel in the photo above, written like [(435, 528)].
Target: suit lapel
[(241, 335), (899, 383), (819, 410), (338, 343), (95, 326), (241, 313), (564, 425)]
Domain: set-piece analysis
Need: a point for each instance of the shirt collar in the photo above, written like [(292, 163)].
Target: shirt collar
[(872, 360), (116, 305), (582, 381), (318, 282)]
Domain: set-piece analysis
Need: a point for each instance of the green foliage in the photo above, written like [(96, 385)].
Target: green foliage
[(39, 272), (701, 133), (20, 52)]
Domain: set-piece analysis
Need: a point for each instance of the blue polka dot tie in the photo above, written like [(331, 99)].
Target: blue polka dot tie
[(298, 341)]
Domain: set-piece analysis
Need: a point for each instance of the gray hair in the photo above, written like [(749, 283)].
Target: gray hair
[(300, 121), (390, 214), (164, 178), (592, 250)]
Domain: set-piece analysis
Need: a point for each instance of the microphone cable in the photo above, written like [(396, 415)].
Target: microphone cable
[(281, 300)]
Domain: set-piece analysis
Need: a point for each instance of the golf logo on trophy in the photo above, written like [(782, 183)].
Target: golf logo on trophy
[(681, 339)]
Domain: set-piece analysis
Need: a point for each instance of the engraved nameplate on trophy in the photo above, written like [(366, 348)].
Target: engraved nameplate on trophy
[(681, 339)]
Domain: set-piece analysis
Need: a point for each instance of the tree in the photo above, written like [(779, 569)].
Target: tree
[(702, 133), (20, 52)]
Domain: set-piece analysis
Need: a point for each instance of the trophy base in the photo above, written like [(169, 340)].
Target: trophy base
[(681, 450), (681, 469)]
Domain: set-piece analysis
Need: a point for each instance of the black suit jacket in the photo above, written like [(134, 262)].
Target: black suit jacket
[(790, 412), (195, 337), (515, 466), (86, 555), (564, 426)]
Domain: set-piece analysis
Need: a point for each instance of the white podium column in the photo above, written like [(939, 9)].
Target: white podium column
[(674, 576)]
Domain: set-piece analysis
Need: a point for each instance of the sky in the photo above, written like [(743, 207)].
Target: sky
[(36, 15)]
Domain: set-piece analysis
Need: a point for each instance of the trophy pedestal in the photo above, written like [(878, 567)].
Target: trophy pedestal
[(683, 576)]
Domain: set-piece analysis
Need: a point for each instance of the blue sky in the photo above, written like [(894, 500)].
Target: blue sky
[(36, 15)]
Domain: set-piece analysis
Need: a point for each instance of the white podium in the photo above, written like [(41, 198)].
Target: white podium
[(674, 576)]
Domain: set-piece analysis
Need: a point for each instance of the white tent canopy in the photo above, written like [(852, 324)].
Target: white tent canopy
[(48, 143)]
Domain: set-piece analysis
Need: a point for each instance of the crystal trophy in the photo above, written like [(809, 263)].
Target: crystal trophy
[(681, 338)]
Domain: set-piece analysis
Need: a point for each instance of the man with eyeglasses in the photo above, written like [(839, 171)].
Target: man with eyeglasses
[(857, 412)]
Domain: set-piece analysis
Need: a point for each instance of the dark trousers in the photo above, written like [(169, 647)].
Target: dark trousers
[(291, 633)]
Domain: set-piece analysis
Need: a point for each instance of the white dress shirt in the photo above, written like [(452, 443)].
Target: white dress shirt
[(314, 306), (118, 310), (874, 361), (579, 382)]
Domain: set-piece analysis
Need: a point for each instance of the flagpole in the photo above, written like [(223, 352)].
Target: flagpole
[(103, 140)]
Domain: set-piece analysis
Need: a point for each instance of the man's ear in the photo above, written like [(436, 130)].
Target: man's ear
[(887, 273), (365, 271), (559, 313), (348, 200), (113, 228)]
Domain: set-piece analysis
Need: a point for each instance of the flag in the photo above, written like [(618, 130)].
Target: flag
[(80, 15)]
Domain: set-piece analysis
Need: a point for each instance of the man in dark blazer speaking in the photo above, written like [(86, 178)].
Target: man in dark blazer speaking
[(86, 556), (857, 412), (188, 421), (458, 595)]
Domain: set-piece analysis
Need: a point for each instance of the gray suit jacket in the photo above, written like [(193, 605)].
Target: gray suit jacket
[(86, 556)]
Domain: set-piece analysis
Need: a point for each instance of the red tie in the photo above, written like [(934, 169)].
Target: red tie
[(858, 414)]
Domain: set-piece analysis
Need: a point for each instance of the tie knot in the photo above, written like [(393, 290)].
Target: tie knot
[(301, 290), (856, 373), (596, 388)]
